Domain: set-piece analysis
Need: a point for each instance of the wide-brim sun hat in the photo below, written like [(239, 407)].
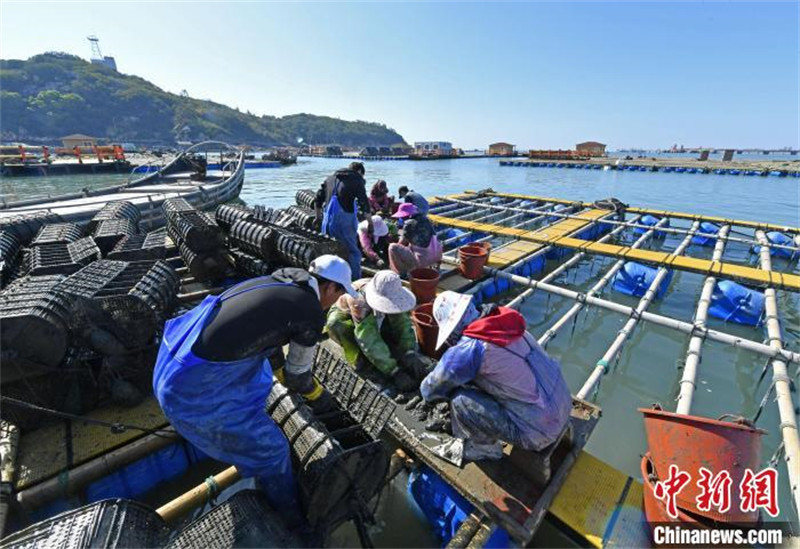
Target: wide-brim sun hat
[(448, 309), (385, 294), (335, 269), (406, 209)]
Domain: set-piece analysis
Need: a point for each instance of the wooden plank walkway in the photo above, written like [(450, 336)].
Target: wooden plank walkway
[(558, 234)]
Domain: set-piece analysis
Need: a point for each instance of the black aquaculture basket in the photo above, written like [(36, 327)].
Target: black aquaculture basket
[(175, 205), (120, 209), (306, 198), (299, 247), (140, 247), (35, 319), (243, 520), (121, 301), (109, 232), (60, 258), (205, 267), (338, 470), (228, 214), (253, 237), (198, 230), (301, 217), (249, 265), (9, 256), (25, 226), (57, 233), (107, 524)]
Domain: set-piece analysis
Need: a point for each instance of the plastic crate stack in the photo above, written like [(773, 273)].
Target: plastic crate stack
[(200, 241), (338, 460)]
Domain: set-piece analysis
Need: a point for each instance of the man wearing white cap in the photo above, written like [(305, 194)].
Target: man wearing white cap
[(215, 367), (376, 325), (501, 384)]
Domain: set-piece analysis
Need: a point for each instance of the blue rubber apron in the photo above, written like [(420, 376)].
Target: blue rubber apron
[(220, 407), (333, 210)]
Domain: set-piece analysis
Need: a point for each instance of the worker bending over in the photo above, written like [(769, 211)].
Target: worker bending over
[(339, 200), (414, 198), (375, 327), (501, 384), (418, 246), (215, 366)]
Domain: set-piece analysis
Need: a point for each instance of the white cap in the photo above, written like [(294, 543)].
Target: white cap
[(379, 228), (448, 309), (335, 269), (385, 294)]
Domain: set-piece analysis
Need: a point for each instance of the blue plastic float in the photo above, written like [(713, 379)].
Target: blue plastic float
[(650, 221), (445, 508), (733, 302), (634, 279), (706, 227), (776, 237)]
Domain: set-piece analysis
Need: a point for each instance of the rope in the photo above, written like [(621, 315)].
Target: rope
[(115, 427)]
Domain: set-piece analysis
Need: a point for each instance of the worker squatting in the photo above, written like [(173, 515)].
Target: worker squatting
[(216, 363)]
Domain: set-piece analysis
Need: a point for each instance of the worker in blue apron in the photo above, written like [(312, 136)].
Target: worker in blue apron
[(214, 369), (340, 198)]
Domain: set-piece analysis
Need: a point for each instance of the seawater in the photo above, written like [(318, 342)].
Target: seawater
[(649, 366)]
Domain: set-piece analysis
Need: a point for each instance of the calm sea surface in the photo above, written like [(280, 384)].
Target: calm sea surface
[(648, 369)]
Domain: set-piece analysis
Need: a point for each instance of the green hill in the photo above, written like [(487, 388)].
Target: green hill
[(56, 94)]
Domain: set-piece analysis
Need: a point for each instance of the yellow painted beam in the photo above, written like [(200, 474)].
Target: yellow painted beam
[(659, 213), (601, 504), (557, 234)]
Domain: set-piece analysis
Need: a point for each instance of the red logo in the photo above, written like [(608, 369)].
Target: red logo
[(668, 490), (715, 491), (760, 491)]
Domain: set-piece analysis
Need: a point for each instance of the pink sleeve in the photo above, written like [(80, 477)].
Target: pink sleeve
[(366, 245)]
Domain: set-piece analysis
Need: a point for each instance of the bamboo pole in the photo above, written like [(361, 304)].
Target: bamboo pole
[(81, 476), (782, 381), (687, 384), (660, 320), (199, 495), (671, 230), (616, 346), (663, 213)]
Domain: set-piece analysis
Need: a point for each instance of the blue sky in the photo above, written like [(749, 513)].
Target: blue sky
[(543, 75)]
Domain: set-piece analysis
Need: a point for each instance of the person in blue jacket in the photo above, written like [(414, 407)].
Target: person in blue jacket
[(500, 383), (214, 369)]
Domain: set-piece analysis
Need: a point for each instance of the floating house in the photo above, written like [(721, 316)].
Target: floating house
[(501, 149), (433, 148), (79, 140), (591, 148)]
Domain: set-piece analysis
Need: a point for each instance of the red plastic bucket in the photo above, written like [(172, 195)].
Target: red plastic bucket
[(692, 442), (426, 328), (473, 258), (655, 510), (423, 283)]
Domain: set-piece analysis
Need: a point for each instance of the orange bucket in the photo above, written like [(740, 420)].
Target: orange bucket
[(426, 328), (473, 258), (692, 442), (423, 283), (655, 510)]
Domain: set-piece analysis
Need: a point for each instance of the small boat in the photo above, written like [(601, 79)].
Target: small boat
[(187, 176)]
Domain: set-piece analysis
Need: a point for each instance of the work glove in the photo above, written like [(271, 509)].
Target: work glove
[(404, 382), (415, 364), (322, 404)]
